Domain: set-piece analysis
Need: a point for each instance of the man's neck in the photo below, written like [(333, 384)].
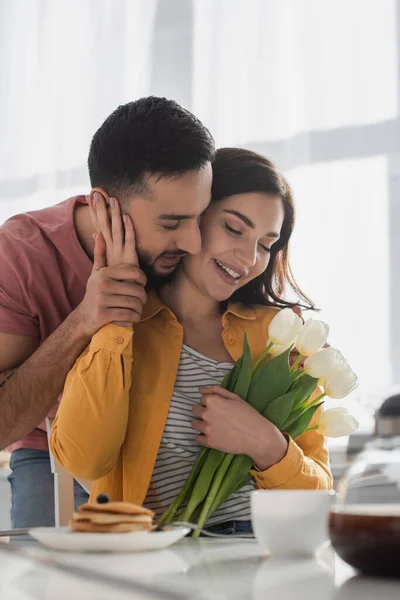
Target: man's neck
[(187, 302), (84, 228)]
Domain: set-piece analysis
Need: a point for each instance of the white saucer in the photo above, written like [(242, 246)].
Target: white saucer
[(60, 538)]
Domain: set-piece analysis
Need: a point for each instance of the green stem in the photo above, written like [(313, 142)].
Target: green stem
[(300, 374), (169, 514), (216, 483), (238, 471), (312, 428), (202, 483), (317, 400), (306, 404), (296, 363), (262, 357)]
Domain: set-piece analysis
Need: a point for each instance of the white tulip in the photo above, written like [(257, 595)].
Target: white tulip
[(277, 349), (284, 327), (312, 337), (336, 422), (324, 362), (340, 383)]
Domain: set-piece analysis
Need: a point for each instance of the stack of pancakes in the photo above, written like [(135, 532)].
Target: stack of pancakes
[(111, 517)]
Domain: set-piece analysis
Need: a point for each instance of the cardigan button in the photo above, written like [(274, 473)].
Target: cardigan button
[(119, 340), (232, 342)]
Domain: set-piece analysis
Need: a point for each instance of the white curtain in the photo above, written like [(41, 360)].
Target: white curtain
[(314, 85), (64, 66)]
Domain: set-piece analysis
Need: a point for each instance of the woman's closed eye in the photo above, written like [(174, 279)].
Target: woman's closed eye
[(238, 232), (232, 230)]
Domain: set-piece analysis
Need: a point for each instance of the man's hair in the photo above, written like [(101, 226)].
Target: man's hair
[(151, 136)]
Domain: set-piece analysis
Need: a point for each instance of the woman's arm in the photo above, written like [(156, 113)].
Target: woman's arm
[(305, 465), (229, 424), (90, 425)]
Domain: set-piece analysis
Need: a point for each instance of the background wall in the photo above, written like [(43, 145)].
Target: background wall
[(313, 84)]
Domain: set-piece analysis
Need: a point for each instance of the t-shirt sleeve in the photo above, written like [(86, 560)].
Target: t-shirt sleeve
[(17, 314)]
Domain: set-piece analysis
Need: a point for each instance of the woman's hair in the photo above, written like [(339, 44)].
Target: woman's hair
[(239, 171)]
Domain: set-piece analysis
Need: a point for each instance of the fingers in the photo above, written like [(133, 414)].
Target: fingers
[(199, 425), (122, 315), (99, 256), (130, 254), (127, 272), (102, 217), (117, 226), (198, 411), (111, 287), (217, 390), (128, 302), (202, 440)]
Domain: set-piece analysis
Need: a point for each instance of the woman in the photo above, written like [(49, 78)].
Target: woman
[(134, 414)]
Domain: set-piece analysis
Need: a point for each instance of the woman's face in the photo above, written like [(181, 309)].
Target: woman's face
[(237, 235)]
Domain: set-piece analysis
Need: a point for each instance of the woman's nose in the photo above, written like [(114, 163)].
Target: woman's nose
[(247, 255)]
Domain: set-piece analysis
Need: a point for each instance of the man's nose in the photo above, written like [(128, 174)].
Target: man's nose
[(189, 239)]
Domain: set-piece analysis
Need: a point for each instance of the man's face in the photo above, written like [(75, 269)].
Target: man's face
[(166, 221)]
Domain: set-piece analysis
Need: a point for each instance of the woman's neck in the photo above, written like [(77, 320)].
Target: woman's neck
[(187, 302)]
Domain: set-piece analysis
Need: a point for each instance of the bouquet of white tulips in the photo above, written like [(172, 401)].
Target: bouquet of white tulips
[(281, 393)]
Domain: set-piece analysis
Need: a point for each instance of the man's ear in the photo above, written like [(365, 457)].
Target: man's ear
[(91, 198)]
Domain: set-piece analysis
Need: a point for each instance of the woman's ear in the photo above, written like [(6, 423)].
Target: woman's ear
[(97, 194)]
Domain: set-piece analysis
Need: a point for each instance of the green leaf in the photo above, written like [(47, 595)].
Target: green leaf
[(226, 382), (234, 479), (273, 379), (279, 409), (294, 415), (244, 376), (300, 425), (303, 387)]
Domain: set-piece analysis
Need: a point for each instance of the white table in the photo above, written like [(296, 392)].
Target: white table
[(199, 569)]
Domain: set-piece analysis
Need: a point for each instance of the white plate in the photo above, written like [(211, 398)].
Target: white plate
[(60, 538)]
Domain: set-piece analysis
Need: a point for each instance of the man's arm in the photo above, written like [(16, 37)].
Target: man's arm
[(29, 391), (26, 396)]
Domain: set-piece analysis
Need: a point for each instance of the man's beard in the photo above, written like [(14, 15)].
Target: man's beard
[(154, 278)]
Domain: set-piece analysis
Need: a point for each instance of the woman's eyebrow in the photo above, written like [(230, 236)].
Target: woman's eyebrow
[(248, 222), (241, 216)]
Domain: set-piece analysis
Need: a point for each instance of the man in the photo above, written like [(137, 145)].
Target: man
[(153, 159)]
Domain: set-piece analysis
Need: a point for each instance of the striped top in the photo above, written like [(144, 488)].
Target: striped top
[(179, 449)]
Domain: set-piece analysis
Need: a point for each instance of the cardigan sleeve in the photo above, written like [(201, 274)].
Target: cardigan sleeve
[(90, 425), (305, 465)]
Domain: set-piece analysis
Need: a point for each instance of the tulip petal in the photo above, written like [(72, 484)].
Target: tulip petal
[(337, 422), (312, 337), (284, 327)]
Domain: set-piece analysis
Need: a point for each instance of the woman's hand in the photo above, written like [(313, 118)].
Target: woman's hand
[(229, 424)]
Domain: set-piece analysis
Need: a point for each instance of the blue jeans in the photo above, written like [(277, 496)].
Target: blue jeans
[(231, 527), (32, 489)]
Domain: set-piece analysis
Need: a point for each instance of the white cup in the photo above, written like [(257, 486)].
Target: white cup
[(291, 523)]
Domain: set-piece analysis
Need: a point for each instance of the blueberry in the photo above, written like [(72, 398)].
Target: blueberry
[(102, 499)]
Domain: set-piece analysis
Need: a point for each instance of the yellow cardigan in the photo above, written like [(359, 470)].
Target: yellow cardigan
[(116, 400)]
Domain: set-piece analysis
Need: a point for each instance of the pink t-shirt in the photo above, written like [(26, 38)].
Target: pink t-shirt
[(43, 276)]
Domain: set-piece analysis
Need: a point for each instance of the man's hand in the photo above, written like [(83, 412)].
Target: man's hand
[(113, 294), (118, 232), (229, 424)]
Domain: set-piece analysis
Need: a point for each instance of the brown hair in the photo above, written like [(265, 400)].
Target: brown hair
[(239, 171)]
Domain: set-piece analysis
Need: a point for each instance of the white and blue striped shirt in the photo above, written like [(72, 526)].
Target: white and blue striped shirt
[(179, 449)]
